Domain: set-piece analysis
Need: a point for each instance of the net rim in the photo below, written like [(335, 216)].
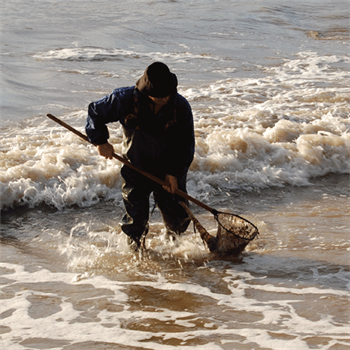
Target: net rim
[(254, 234)]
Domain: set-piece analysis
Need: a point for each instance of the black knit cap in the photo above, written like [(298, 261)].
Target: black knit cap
[(157, 81)]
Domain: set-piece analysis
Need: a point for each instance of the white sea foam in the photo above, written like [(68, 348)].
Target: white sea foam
[(278, 130), (250, 134), (65, 308), (101, 54)]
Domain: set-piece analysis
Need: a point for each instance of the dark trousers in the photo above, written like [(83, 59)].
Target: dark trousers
[(136, 190)]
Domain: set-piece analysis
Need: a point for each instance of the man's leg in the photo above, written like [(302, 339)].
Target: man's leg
[(136, 193), (174, 215)]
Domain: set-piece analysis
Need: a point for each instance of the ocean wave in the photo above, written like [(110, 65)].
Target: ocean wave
[(280, 130), (114, 54)]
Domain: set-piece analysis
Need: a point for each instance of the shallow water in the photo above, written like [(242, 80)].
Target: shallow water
[(290, 289), (269, 85)]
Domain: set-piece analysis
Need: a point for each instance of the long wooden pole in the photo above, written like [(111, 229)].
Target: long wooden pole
[(127, 163)]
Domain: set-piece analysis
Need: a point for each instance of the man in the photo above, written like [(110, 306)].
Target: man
[(158, 138)]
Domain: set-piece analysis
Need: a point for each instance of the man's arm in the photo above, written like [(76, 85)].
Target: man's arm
[(106, 110)]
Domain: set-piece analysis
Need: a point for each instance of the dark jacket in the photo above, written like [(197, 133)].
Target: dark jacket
[(161, 144)]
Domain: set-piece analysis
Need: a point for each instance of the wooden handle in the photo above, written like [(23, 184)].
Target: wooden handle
[(127, 163)]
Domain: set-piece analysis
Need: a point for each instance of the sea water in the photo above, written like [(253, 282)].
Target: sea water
[(269, 86)]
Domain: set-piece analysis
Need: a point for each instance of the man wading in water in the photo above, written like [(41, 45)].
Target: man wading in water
[(158, 138)]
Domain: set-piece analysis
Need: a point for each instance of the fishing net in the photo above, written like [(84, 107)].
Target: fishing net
[(233, 235)]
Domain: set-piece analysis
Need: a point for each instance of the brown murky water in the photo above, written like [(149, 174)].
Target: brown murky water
[(288, 290)]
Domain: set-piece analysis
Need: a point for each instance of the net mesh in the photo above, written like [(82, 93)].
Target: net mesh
[(234, 233)]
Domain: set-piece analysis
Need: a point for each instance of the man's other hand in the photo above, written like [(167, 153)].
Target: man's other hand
[(106, 150), (170, 183)]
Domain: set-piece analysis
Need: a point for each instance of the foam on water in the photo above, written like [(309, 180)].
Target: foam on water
[(78, 286), (59, 308), (42, 166), (279, 130), (98, 54), (291, 289)]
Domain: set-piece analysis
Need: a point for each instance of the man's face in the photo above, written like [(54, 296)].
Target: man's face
[(160, 101)]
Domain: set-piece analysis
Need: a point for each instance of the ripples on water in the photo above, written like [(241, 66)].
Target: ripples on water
[(202, 41)]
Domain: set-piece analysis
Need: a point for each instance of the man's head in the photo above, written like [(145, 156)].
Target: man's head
[(157, 81)]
